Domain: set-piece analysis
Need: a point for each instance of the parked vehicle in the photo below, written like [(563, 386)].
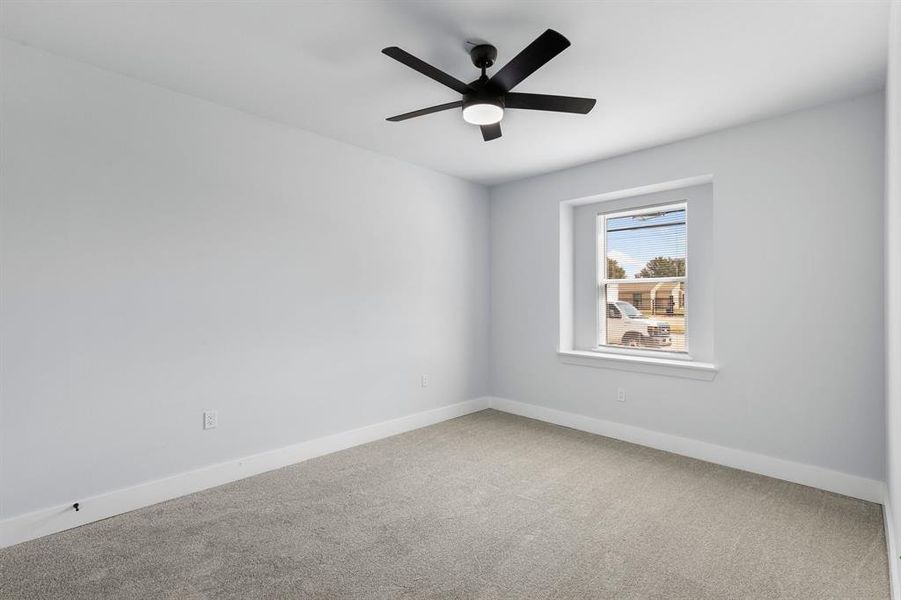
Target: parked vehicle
[(626, 325)]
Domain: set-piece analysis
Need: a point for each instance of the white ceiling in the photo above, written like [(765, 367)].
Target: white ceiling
[(661, 71)]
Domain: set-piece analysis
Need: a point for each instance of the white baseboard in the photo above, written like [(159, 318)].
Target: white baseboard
[(891, 546), (58, 518), (818, 477)]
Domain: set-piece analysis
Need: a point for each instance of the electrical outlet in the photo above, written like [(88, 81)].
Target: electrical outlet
[(621, 394), (210, 419), (424, 380)]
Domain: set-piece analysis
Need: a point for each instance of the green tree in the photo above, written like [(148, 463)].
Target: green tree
[(614, 271), (663, 266)]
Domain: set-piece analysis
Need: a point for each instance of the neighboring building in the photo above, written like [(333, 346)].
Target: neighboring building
[(651, 298)]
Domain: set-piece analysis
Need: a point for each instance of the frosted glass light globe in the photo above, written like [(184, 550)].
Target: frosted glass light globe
[(483, 114)]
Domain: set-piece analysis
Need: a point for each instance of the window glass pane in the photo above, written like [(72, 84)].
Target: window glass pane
[(646, 245), (645, 315)]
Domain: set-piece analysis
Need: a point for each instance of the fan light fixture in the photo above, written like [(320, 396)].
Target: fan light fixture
[(483, 113)]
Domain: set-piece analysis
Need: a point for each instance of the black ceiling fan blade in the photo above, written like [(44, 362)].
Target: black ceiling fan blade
[(491, 132), (426, 111), (570, 104), (426, 69), (545, 47)]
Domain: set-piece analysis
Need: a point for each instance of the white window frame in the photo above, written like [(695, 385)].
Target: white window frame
[(603, 281)]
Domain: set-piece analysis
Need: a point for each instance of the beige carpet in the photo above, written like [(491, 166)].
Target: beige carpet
[(484, 506)]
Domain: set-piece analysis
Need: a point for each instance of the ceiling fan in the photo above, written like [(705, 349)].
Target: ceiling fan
[(485, 99)]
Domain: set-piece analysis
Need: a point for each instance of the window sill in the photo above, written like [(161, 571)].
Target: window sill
[(643, 364)]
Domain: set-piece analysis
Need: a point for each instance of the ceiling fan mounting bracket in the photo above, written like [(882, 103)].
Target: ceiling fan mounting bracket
[(483, 55)]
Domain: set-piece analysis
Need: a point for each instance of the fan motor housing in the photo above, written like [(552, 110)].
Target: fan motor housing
[(483, 96), (483, 55)]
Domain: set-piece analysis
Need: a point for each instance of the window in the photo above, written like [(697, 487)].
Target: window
[(631, 292), (642, 279)]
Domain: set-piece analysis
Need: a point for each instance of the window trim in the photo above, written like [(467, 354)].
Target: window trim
[(703, 368), (655, 365), (603, 281)]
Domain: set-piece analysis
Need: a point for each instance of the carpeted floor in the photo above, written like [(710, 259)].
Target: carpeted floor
[(485, 506)]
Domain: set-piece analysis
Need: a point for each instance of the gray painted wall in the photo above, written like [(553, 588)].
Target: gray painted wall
[(798, 261), (162, 255), (893, 270)]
